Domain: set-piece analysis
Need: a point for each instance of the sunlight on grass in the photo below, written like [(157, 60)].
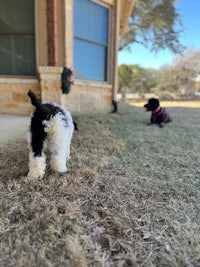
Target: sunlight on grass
[(184, 104)]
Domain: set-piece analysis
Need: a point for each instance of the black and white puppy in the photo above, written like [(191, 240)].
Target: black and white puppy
[(51, 127), (159, 115)]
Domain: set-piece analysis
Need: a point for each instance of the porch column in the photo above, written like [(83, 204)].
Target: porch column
[(50, 76)]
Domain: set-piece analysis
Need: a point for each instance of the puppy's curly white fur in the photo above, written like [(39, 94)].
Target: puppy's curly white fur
[(51, 128)]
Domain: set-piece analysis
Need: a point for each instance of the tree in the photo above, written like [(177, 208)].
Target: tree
[(143, 79), (186, 69), (180, 76), (166, 81), (124, 78), (156, 24), (135, 79)]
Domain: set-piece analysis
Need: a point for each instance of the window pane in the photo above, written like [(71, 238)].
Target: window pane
[(17, 39), (91, 21), (16, 16), (89, 61), (90, 40), (17, 54)]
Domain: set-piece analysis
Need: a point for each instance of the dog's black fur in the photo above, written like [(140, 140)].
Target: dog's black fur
[(41, 113), (159, 115)]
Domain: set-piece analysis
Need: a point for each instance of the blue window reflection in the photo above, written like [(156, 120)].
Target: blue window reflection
[(90, 40)]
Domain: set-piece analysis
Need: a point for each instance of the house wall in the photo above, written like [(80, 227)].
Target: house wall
[(13, 95), (13, 89), (89, 96), (84, 96)]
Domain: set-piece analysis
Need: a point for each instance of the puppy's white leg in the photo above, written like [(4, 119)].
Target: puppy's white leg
[(57, 164), (69, 134), (59, 153), (37, 160), (37, 166), (59, 145)]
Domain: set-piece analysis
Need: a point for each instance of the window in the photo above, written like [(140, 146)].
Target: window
[(17, 39), (90, 40)]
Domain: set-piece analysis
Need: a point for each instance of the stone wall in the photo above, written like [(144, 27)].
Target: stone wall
[(84, 98), (13, 95), (50, 82)]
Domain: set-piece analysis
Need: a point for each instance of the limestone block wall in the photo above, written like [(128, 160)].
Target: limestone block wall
[(83, 97), (13, 95), (50, 82), (89, 98)]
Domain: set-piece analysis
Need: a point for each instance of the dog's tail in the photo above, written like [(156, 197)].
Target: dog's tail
[(35, 102)]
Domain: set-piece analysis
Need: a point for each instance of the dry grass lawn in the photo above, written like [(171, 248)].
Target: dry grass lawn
[(131, 196)]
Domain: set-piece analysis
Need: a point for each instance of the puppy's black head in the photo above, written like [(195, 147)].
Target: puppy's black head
[(152, 104)]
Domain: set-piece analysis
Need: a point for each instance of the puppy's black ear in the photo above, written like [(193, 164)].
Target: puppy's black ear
[(75, 126)]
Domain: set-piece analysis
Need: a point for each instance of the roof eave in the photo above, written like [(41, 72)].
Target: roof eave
[(126, 8)]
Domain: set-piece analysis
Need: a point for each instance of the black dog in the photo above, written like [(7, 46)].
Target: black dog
[(159, 115)]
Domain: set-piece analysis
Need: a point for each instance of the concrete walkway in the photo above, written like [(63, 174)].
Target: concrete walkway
[(12, 127)]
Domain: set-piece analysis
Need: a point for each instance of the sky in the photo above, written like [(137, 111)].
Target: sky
[(190, 13)]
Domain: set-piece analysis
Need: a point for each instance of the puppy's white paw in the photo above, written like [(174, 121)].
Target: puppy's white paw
[(59, 167), (34, 177), (62, 170)]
